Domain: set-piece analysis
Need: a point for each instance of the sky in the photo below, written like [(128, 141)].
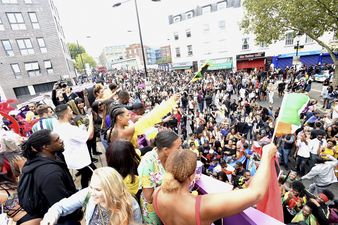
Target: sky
[(96, 24)]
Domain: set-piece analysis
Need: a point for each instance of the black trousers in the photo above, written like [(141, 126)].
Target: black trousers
[(86, 174)]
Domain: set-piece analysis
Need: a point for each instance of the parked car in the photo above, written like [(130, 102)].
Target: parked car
[(323, 76)]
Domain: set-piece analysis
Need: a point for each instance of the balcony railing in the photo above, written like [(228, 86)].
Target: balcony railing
[(250, 216)]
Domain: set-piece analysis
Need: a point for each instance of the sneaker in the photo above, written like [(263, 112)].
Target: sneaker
[(94, 160)]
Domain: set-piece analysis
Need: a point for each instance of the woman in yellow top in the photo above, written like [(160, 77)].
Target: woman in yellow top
[(120, 116), (123, 158)]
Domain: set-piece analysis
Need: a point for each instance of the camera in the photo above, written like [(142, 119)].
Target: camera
[(61, 84)]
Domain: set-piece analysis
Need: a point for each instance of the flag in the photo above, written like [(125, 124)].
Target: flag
[(271, 204), (288, 120), (200, 72)]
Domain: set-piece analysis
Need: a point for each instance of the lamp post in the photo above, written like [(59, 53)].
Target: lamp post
[(139, 31), (297, 47), (298, 37), (78, 52)]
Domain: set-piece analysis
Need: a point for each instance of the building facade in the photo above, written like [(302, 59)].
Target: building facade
[(134, 51), (33, 53), (112, 54), (209, 30)]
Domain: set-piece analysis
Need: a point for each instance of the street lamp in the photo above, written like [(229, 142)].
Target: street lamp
[(296, 60), (298, 37), (78, 52), (139, 31)]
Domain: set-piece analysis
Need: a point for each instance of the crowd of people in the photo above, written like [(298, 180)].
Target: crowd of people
[(156, 134)]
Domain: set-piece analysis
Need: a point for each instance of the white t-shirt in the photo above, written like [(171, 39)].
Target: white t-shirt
[(314, 145), (76, 151), (304, 149)]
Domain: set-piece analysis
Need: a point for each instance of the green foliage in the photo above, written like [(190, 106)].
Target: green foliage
[(75, 50), (86, 59), (270, 19), (164, 60)]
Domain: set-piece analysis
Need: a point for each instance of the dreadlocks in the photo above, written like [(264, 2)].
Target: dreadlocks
[(35, 143)]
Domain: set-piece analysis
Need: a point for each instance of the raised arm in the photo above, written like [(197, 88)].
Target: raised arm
[(225, 204), (155, 116), (65, 206)]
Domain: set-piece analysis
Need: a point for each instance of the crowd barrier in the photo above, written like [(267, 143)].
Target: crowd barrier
[(249, 216)]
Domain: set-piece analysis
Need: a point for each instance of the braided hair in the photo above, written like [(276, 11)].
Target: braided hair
[(114, 112), (35, 143)]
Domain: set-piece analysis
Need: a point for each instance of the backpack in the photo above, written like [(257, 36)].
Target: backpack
[(29, 197)]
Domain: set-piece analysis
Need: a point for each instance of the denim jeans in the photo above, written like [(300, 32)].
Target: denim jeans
[(285, 155)]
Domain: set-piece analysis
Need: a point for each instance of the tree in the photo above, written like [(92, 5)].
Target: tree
[(74, 50), (270, 19), (86, 59), (164, 60)]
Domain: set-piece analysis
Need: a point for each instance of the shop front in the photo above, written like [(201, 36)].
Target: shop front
[(309, 58), (218, 64), (182, 66), (251, 61)]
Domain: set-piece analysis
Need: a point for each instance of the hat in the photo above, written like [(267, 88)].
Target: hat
[(323, 197), (61, 108)]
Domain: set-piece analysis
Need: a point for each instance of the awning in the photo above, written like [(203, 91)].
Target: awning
[(181, 67), (220, 66)]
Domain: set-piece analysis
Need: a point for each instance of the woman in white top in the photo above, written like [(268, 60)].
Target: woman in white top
[(107, 202)]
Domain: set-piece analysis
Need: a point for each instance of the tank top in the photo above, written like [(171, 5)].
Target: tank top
[(197, 208)]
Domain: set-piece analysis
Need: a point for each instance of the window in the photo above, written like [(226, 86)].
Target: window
[(16, 70), (206, 28), (16, 21), (9, 1), (45, 87), (189, 47), (289, 39), (189, 15), (8, 47), (42, 45), (1, 25), (21, 91), (188, 33), (221, 24), (178, 52), (245, 43), (34, 20), (28, 1), (33, 69), (308, 40), (221, 5), (48, 66), (177, 19), (206, 9), (176, 36), (25, 46)]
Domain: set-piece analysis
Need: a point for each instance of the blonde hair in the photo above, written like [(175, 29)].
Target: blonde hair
[(179, 167), (97, 89), (116, 195)]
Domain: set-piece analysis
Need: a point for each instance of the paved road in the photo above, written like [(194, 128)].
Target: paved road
[(314, 94)]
